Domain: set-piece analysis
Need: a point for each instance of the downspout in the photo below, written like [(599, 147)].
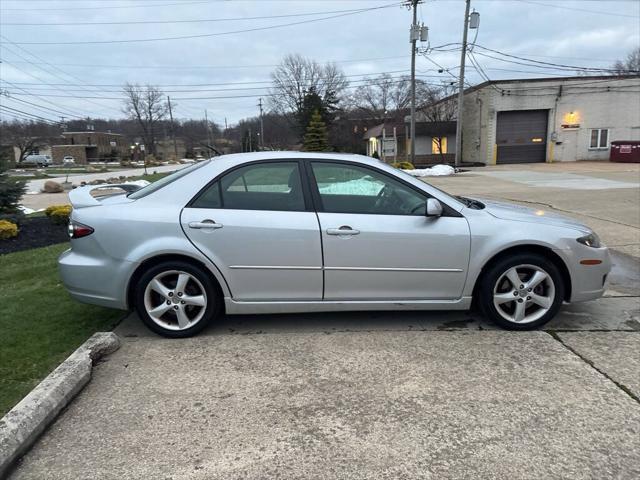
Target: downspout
[(479, 140), (554, 134)]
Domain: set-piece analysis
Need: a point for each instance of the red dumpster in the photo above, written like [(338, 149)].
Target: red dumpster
[(626, 151)]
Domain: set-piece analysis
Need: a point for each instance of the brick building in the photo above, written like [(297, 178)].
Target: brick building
[(90, 146)]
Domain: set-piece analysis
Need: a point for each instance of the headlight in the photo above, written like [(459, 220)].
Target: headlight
[(591, 240)]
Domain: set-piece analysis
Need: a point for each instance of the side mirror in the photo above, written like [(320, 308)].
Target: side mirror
[(434, 208)]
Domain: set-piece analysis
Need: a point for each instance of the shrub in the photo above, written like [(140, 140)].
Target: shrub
[(375, 155), (403, 165), (11, 191), (58, 214), (16, 218), (8, 229)]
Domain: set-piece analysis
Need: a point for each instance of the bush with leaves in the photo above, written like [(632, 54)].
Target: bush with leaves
[(58, 214), (11, 190), (403, 165), (8, 229)]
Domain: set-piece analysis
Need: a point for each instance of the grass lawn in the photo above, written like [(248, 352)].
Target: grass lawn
[(40, 324)]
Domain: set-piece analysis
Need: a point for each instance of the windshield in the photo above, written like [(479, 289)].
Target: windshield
[(158, 184), (402, 173)]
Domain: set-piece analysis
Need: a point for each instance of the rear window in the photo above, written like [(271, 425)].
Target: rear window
[(163, 182)]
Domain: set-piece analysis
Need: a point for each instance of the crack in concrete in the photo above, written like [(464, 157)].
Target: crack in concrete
[(621, 386)]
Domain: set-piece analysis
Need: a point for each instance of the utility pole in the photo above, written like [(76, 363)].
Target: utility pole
[(206, 121), (463, 56), (261, 125), (173, 132), (413, 38)]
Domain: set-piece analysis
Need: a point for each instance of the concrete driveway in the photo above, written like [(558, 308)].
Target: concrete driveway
[(378, 395)]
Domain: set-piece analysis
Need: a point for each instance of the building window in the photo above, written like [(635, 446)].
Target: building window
[(599, 138), (438, 145)]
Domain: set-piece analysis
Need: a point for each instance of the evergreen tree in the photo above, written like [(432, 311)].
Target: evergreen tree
[(11, 191), (316, 138)]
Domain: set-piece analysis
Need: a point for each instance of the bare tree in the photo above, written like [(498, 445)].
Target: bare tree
[(439, 108), (385, 97), (296, 76), (25, 136), (630, 65), (146, 105)]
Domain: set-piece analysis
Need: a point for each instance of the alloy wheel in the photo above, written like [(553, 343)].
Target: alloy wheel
[(175, 300), (524, 294)]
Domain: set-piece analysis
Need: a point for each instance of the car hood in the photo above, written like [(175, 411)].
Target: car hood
[(512, 211)]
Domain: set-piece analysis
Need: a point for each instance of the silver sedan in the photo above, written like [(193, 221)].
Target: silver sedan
[(281, 232)]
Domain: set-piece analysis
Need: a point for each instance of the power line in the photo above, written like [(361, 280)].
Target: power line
[(37, 106), (102, 7), (207, 84), (189, 67), (43, 99), (46, 63), (547, 64), (208, 35), (584, 10), (164, 22), (212, 98), (28, 114)]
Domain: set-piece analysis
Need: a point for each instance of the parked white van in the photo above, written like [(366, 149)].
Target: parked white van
[(40, 160)]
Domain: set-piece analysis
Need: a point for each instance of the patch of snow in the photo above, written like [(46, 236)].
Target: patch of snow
[(27, 210), (435, 171), (32, 192)]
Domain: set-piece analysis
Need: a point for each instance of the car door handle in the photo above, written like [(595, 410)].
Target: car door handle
[(205, 224), (343, 230)]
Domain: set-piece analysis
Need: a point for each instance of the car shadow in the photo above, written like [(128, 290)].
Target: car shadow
[(609, 313)]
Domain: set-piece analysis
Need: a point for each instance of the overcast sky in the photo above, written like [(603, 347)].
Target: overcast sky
[(51, 66)]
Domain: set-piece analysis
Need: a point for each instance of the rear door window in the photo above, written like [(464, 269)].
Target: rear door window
[(263, 186)]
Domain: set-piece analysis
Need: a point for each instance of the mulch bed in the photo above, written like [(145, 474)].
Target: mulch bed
[(35, 232)]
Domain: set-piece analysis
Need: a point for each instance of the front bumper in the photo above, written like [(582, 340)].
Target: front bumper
[(588, 282), (98, 281)]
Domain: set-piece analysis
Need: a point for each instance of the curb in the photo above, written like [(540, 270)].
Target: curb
[(25, 422)]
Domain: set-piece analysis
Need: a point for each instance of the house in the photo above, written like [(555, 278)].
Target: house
[(435, 142), (90, 146), (387, 141), (166, 150), (545, 119)]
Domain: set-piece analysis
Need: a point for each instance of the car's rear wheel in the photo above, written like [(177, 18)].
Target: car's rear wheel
[(521, 292), (176, 299)]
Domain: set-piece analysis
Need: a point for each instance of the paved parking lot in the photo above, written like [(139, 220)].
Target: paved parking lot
[(380, 394)]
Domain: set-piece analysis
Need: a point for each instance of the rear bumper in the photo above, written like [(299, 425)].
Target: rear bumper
[(589, 282), (96, 281)]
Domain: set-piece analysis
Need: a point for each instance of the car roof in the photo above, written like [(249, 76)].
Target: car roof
[(239, 158)]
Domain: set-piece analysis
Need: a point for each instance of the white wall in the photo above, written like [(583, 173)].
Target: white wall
[(594, 106)]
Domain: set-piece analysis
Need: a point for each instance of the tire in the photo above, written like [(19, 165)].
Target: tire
[(172, 310), (515, 308)]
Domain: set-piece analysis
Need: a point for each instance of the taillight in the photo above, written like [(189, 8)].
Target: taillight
[(78, 230)]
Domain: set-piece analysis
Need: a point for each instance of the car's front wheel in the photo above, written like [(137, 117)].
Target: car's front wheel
[(521, 292), (176, 299)]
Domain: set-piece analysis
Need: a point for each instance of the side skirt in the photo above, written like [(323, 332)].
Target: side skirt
[(249, 308)]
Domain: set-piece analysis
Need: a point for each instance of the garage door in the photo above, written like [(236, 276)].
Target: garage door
[(521, 136)]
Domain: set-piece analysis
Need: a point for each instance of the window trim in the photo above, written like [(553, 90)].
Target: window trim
[(447, 211), (599, 130), (306, 195)]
